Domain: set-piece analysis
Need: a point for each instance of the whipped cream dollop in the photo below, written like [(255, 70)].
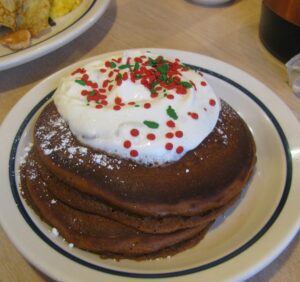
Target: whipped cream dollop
[(138, 106)]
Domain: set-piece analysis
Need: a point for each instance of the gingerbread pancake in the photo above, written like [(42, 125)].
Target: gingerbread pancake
[(205, 178), (99, 234), (90, 204)]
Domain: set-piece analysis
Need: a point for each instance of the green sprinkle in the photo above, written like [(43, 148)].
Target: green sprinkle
[(152, 62), (126, 66), (137, 106), (81, 82), (172, 113), (154, 83), (113, 65), (186, 84), (163, 77), (163, 68), (92, 93), (136, 66), (151, 124)]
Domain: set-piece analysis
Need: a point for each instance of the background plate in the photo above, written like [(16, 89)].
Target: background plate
[(249, 236), (66, 29)]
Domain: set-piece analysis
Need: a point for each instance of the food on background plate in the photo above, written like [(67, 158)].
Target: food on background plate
[(135, 157), (8, 13), (16, 40), (60, 8), (30, 16)]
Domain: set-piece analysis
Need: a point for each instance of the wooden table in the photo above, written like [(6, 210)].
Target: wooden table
[(228, 33)]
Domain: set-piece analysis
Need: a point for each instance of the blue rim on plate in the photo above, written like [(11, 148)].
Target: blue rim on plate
[(33, 45), (236, 252)]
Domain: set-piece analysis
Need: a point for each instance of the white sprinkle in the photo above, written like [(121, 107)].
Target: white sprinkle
[(71, 245), (53, 201), (72, 150), (110, 167), (187, 170), (83, 150), (27, 149), (48, 151), (55, 232)]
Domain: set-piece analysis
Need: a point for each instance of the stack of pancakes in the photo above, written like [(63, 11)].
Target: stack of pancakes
[(121, 209)]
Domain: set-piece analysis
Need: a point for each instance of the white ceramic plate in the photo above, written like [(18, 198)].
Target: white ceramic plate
[(66, 29), (246, 239)]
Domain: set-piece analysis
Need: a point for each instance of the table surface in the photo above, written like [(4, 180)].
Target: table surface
[(228, 33)]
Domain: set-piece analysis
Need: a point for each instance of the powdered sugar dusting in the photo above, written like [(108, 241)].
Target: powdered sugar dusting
[(27, 149), (55, 138)]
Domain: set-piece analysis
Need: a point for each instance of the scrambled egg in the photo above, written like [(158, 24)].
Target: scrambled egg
[(60, 8)]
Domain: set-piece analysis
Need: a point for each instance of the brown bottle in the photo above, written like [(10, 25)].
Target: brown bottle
[(280, 27)]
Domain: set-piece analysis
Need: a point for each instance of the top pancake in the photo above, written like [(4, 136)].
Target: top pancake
[(203, 179)]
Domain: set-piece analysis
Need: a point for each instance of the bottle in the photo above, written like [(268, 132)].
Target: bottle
[(280, 28)]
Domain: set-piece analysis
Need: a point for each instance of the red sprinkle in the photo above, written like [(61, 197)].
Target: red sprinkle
[(154, 95), (170, 96), (85, 77), (107, 64), (99, 106), (134, 132), (101, 90), (117, 107), (85, 92), (151, 136), (203, 83), (169, 146), (179, 134), (193, 115), (170, 123), (138, 60), (118, 100), (212, 102), (181, 90), (125, 76), (80, 70), (147, 105), (103, 70), (127, 144), (105, 83), (134, 153), (179, 149), (169, 135), (101, 96)]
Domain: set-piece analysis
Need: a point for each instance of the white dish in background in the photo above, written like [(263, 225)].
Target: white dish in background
[(212, 2), (246, 239), (66, 29)]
